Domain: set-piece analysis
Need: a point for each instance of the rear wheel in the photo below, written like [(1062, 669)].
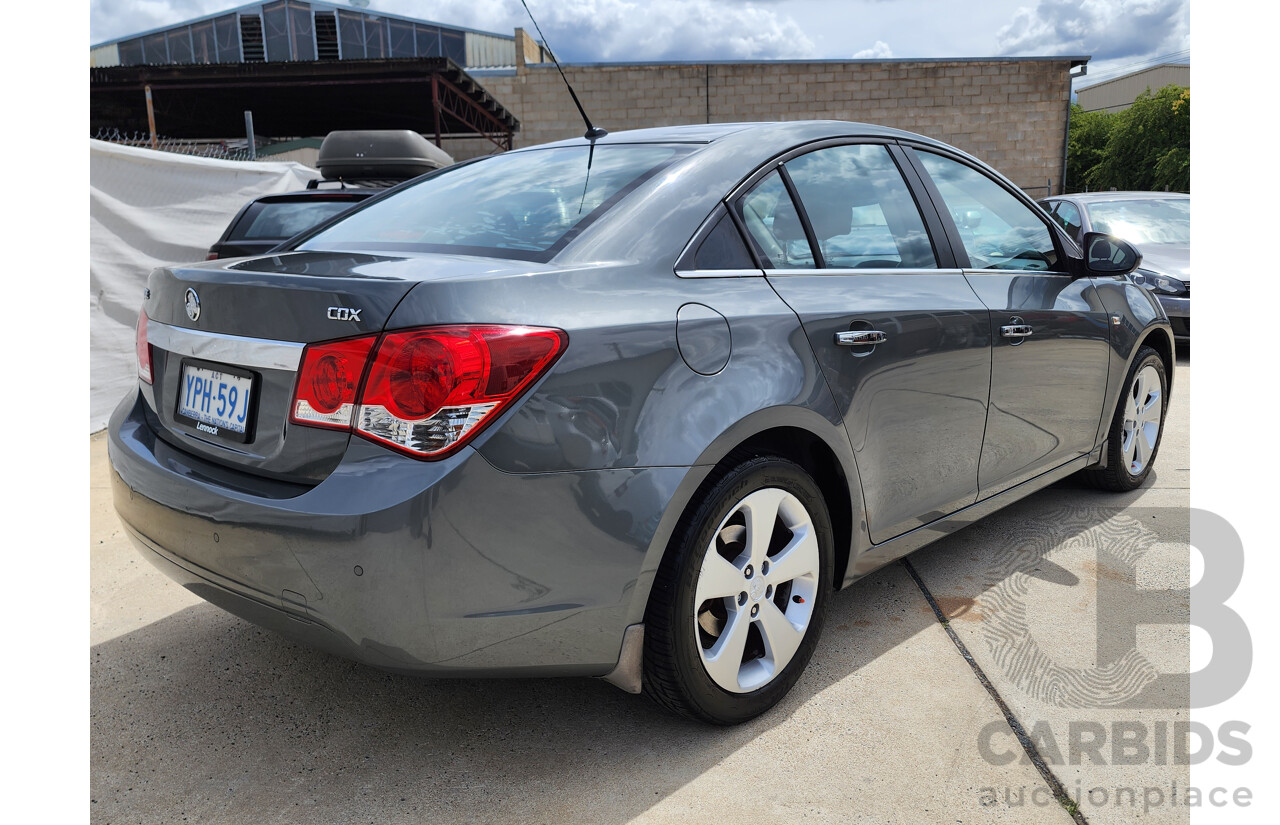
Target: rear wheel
[(1136, 427), (738, 603)]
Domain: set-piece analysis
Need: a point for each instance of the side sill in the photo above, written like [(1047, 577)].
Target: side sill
[(890, 551)]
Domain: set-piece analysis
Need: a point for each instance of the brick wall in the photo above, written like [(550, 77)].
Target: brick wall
[(1010, 113)]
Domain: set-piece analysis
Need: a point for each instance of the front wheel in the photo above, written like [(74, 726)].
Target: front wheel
[(738, 603), (1136, 427)]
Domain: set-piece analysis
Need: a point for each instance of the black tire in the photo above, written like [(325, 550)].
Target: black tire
[(1121, 475), (677, 630)]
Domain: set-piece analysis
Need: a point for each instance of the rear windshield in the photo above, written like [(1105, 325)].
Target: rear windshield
[(524, 205), (284, 219)]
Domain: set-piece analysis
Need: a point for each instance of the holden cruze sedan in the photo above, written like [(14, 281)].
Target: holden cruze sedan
[(1158, 223), (631, 408)]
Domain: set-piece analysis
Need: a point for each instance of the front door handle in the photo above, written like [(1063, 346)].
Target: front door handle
[(1015, 330), (861, 338)]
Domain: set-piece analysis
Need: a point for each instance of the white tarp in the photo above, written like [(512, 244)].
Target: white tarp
[(149, 209)]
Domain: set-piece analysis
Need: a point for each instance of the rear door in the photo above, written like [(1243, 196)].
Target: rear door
[(903, 340), (1050, 352)]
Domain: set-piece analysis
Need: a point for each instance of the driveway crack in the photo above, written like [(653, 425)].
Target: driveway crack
[(1029, 747)]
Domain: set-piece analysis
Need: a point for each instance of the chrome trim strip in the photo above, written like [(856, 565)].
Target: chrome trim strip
[(720, 273), (865, 271), (258, 353)]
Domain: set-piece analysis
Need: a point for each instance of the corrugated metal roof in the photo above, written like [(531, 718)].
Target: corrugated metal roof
[(314, 4)]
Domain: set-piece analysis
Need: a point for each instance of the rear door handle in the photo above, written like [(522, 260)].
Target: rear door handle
[(1015, 330), (861, 338)]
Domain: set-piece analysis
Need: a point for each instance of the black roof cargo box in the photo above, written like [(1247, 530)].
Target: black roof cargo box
[(379, 153)]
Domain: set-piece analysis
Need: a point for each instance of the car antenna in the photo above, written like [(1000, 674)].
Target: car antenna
[(594, 133)]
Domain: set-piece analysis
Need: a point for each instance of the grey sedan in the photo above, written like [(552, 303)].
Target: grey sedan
[(1158, 223), (633, 407)]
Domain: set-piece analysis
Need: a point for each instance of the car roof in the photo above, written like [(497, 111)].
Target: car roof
[(801, 130)]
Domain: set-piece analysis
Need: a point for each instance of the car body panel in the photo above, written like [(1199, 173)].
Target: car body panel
[(915, 406), (1046, 389)]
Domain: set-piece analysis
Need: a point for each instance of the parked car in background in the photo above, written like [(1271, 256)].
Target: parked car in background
[(1158, 223), (355, 165), (633, 407)]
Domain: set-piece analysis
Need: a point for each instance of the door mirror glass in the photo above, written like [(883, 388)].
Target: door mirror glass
[(1108, 255)]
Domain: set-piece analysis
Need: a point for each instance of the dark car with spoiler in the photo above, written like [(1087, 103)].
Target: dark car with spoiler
[(355, 166), (633, 407)]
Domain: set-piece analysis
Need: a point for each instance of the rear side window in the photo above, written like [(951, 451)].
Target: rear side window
[(860, 209), (773, 223), (524, 205), (723, 248), (998, 230), (284, 219)]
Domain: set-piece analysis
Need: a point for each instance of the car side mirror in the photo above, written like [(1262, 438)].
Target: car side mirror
[(1108, 255)]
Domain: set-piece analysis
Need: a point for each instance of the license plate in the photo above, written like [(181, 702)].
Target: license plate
[(216, 400)]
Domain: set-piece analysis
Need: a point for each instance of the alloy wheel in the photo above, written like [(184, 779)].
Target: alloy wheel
[(756, 590)]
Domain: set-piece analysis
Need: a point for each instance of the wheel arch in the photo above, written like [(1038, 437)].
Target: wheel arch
[(817, 445), (1159, 339)]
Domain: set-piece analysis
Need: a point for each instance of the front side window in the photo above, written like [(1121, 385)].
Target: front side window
[(524, 205), (860, 209), (998, 230)]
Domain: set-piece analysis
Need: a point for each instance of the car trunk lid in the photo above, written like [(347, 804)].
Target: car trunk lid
[(226, 342)]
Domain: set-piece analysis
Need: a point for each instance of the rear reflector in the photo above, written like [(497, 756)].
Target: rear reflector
[(428, 391), (142, 348)]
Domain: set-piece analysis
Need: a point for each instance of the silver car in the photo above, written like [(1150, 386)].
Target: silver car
[(1158, 223)]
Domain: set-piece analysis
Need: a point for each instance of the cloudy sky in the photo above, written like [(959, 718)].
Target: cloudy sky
[(1119, 34)]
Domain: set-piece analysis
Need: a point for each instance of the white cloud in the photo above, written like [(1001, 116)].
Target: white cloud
[(880, 51), (1112, 31)]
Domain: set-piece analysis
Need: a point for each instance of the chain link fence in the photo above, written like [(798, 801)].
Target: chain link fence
[(222, 149)]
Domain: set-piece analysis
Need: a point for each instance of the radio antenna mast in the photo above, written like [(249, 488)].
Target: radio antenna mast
[(593, 132)]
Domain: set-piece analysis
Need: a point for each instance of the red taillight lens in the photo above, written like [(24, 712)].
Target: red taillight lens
[(328, 382), (142, 348), (430, 390), (212, 256)]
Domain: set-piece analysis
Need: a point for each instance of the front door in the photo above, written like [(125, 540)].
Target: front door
[(1049, 330)]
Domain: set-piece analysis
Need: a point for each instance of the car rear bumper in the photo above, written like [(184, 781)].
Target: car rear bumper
[(450, 568)]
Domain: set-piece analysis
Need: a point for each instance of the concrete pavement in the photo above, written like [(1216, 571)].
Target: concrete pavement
[(199, 715)]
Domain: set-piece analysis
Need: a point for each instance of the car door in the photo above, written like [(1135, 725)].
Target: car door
[(1050, 352), (901, 337)]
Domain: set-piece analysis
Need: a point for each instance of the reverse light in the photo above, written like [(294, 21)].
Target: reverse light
[(142, 348), (428, 390)]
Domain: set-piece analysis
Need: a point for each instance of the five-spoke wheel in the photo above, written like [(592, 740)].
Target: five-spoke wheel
[(738, 602)]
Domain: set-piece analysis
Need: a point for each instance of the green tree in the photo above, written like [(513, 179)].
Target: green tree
[(1149, 145), (1086, 144)]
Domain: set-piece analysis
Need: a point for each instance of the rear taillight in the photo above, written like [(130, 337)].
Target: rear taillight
[(212, 256), (142, 348), (328, 382), (428, 391)]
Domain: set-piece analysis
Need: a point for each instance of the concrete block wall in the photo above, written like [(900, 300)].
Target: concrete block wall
[(1011, 113)]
